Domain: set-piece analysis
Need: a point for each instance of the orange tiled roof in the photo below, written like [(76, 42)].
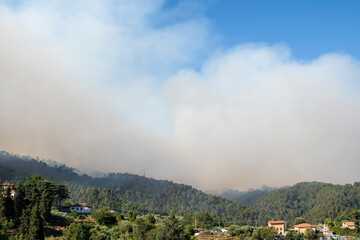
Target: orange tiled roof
[(80, 205), (349, 223), (304, 225), (276, 222), (8, 184)]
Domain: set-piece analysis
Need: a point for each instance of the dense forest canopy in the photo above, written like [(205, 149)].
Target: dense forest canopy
[(313, 201), (124, 192)]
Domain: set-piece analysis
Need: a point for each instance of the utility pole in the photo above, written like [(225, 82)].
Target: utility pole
[(195, 222)]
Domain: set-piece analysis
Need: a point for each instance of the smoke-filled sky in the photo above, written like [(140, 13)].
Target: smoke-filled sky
[(184, 90)]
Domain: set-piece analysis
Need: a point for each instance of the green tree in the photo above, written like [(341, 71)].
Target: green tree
[(310, 234), (73, 213), (141, 228), (299, 220), (172, 230), (25, 223), (7, 205), (104, 217), (6, 225), (19, 204), (125, 229), (150, 219), (77, 231), (268, 233), (189, 230), (291, 235), (103, 233), (36, 229), (131, 215)]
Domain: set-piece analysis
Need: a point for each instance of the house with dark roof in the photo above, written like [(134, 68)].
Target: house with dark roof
[(83, 208)]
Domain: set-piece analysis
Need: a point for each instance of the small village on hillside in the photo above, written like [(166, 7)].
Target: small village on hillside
[(85, 213)]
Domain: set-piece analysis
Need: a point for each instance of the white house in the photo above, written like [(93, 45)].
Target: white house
[(81, 208)]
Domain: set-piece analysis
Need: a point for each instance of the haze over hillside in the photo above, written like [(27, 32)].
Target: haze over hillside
[(245, 197), (314, 201), (178, 91)]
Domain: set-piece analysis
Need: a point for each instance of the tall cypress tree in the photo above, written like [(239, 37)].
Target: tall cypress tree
[(19, 203), (8, 209), (2, 206), (36, 228), (25, 223)]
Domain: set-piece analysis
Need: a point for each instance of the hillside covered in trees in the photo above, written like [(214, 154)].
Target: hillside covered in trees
[(124, 192), (314, 201)]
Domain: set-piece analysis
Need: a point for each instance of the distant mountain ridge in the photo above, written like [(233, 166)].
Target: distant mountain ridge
[(245, 197)]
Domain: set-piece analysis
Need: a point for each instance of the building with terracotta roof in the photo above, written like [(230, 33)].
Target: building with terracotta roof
[(349, 225), (279, 226), (301, 228), (7, 185)]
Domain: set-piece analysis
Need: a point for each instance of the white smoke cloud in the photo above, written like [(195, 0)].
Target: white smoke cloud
[(110, 86), (256, 116)]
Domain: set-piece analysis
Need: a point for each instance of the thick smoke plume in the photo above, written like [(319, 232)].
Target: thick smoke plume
[(108, 86)]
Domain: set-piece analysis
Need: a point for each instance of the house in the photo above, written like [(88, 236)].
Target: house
[(349, 225), (301, 228), (328, 235), (81, 208), (279, 226), (7, 185), (326, 227), (224, 230)]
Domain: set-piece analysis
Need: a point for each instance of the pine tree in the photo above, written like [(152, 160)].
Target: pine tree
[(25, 223), (2, 206), (19, 203), (36, 228), (8, 209)]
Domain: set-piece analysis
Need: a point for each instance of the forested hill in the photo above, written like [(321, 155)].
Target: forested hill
[(123, 191), (314, 201), (245, 197)]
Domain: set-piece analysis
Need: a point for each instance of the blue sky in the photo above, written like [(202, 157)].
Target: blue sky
[(310, 28), (235, 89)]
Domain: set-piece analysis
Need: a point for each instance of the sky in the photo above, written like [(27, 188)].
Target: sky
[(215, 94)]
